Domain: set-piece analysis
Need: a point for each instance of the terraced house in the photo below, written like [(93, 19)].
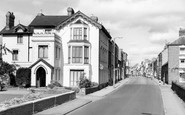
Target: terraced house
[(59, 48)]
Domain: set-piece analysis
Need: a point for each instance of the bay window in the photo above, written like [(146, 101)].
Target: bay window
[(78, 54), (79, 33)]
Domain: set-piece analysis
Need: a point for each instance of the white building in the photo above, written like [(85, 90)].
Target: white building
[(59, 48)]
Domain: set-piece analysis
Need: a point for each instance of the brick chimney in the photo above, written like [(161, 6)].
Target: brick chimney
[(181, 32), (9, 20), (70, 11)]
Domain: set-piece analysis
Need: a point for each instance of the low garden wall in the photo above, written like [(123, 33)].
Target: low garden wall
[(91, 90), (29, 108), (180, 91)]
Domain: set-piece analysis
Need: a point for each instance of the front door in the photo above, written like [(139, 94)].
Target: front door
[(40, 77)]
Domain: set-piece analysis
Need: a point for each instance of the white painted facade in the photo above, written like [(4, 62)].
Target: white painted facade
[(56, 65)]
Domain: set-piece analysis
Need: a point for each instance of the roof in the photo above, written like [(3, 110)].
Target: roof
[(80, 14), (13, 30), (42, 60), (180, 41), (47, 21)]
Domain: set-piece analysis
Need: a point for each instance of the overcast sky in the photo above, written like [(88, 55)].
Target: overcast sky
[(145, 25)]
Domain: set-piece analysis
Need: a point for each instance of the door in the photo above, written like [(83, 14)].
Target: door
[(40, 77)]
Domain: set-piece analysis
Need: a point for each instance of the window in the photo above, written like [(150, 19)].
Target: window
[(77, 34), (43, 51), (19, 39), (85, 33), (57, 52), (15, 55), (86, 54), (75, 77), (77, 54), (182, 60), (69, 54), (182, 50)]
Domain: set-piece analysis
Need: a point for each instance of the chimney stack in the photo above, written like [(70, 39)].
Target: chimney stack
[(94, 18), (70, 11), (9, 20), (182, 32)]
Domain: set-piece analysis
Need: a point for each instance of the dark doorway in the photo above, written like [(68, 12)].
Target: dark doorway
[(40, 77)]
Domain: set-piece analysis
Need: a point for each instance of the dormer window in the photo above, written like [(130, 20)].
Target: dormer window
[(19, 39)]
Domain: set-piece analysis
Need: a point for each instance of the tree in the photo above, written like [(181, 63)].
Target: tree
[(5, 70)]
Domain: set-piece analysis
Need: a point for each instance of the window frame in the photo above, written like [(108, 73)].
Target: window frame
[(19, 39), (15, 55), (45, 54)]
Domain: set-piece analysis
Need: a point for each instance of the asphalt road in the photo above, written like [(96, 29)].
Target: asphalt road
[(141, 96)]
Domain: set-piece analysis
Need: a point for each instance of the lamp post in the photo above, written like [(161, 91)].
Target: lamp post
[(114, 69)]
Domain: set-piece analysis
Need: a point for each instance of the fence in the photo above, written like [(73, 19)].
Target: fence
[(180, 91)]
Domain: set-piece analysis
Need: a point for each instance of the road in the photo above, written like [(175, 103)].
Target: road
[(141, 96)]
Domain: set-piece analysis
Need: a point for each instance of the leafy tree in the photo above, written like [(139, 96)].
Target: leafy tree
[(5, 70)]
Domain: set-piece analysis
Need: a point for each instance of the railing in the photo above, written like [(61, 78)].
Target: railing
[(179, 90)]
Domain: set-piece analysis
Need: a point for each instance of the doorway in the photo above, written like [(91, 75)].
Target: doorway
[(40, 77)]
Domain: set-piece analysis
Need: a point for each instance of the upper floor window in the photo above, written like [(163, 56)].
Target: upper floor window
[(43, 51), (57, 52), (79, 33), (182, 50), (86, 54), (78, 54), (19, 39), (15, 55), (182, 60)]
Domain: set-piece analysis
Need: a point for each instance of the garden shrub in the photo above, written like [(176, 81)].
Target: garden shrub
[(23, 77), (84, 82), (94, 84), (54, 84)]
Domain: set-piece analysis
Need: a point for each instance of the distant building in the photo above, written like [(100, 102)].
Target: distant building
[(171, 61)]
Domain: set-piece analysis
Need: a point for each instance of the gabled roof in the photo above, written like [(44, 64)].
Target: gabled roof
[(47, 21), (42, 60), (13, 30), (180, 41), (80, 14)]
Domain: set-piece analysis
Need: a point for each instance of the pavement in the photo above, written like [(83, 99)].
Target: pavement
[(82, 100), (173, 105)]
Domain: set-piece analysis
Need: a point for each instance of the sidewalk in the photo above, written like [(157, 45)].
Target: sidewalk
[(173, 105), (81, 101)]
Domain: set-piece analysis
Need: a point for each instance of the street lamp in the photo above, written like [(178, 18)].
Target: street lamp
[(114, 69)]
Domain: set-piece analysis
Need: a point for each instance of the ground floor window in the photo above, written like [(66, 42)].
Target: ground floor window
[(75, 77), (182, 77)]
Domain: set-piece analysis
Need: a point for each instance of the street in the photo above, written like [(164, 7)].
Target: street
[(141, 96)]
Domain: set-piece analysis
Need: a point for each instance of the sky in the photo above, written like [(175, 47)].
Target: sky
[(144, 25)]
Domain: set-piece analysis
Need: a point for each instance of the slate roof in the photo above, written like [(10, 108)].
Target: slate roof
[(180, 41), (12, 30), (47, 21)]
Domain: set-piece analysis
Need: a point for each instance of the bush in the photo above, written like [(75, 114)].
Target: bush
[(84, 82), (23, 77), (54, 84), (94, 84), (110, 82)]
